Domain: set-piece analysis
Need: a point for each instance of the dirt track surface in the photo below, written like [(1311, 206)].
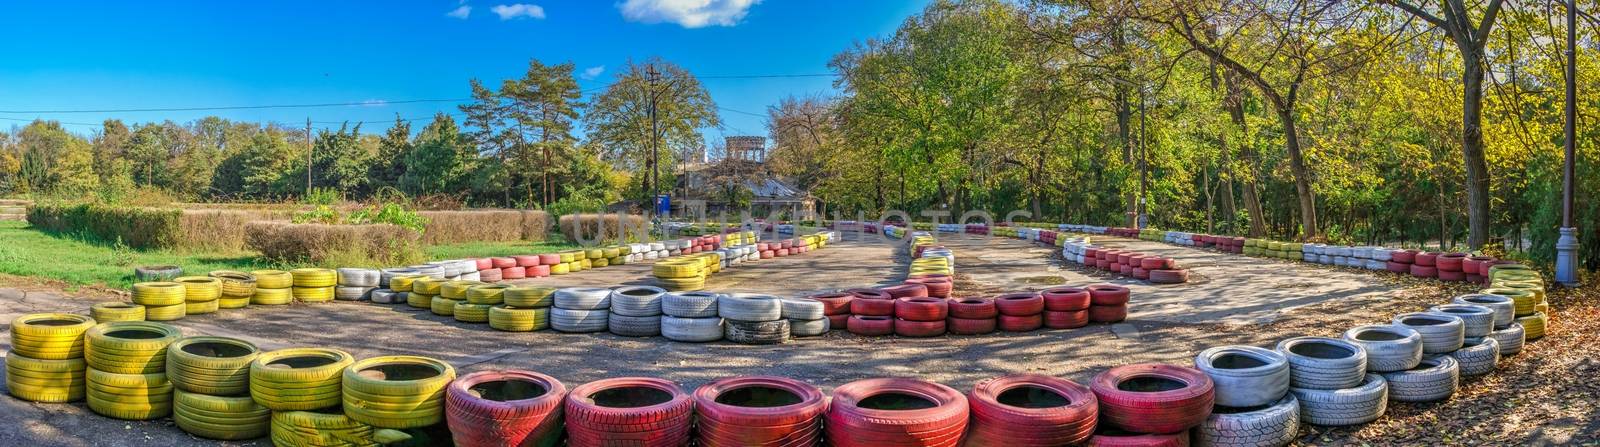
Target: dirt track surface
[(1232, 301)]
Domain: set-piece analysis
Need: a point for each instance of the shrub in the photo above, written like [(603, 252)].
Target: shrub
[(142, 228), (597, 228), (348, 245), (220, 229), (391, 214), (448, 227)]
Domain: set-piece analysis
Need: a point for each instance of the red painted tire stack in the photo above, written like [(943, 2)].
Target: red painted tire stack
[(1452, 266), (634, 411), (484, 263), (1065, 307), (1019, 312), (971, 316), (538, 271), (1030, 410), (1400, 261), (939, 285), (758, 411), (549, 259), (489, 275), (504, 408), (871, 312), (863, 414), (1153, 398), (1426, 265), (510, 273), (1108, 303), (527, 260), (920, 316), (907, 290), (836, 306), (1477, 268)]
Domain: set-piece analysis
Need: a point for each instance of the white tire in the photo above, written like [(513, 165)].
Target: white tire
[(808, 328), (694, 330), (583, 298), (575, 320), (750, 307), (637, 301), (802, 309), (690, 304)]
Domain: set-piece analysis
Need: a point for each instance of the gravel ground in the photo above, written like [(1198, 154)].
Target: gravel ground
[(1232, 300)]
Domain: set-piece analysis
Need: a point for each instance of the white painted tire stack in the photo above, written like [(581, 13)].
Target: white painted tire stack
[(355, 284), (805, 317), (635, 311)]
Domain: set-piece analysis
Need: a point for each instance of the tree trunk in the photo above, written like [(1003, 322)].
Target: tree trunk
[(1125, 136), (1252, 205), (1205, 185), (1302, 175), (1472, 149)]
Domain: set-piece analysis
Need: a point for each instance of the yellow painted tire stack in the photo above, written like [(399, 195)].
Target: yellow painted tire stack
[(487, 294), (237, 288), (134, 397), (423, 290), (510, 318), (116, 311), (450, 294), (314, 285), (162, 301), (298, 378), (46, 361), (217, 366), (396, 391), (127, 366), (560, 269), (680, 274), (273, 288), (229, 418), (529, 296), (1533, 326), (466, 312), (319, 428), (200, 294)]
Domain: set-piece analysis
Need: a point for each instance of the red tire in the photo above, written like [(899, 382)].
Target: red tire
[(1169, 276), (1066, 320), (484, 263), (501, 263), (1153, 398), (490, 275), (921, 309), (549, 259), (1107, 294), (483, 411), (1141, 273), (1153, 263), (872, 307), (768, 254), (970, 326), (538, 271), (1019, 304), (1450, 262), (909, 328), (834, 303), (869, 294), (838, 322), (1052, 412), (731, 411), (1108, 314), (1427, 259), (857, 416), (870, 325), (1422, 271), (1398, 267), (1404, 256), (1123, 257), (972, 308), (630, 410), (1119, 438), (514, 273), (1102, 264), (1476, 265), (1013, 323), (906, 290), (527, 260), (1446, 275), (937, 287)]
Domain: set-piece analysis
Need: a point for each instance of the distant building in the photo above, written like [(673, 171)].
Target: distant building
[(746, 148)]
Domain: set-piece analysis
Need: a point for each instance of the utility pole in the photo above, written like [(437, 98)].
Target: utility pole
[(1567, 244), (655, 174), (309, 147)]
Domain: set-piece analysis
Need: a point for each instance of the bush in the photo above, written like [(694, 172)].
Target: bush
[(597, 228), (220, 229), (142, 228), (449, 227), (376, 245)]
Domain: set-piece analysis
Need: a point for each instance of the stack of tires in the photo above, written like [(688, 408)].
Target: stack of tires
[(423, 291), (451, 293), (1525, 287), (581, 309), (1507, 333), (505, 408), (1067, 307), (304, 389), (1252, 404), (1425, 265), (836, 307), (127, 369), (523, 309), (681, 274), (642, 412), (200, 294), (938, 285), (1451, 267), (237, 288), (211, 388), (636, 311), (759, 411), (691, 317), (806, 317), (479, 300), (1477, 268), (314, 285), (396, 392), (896, 412), (971, 316), (46, 362), (1019, 312), (1030, 410), (356, 284), (1401, 261), (753, 319), (162, 301), (1480, 351), (920, 316), (1330, 379), (871, 312), (1108, 303), (1437, 375), (273, 288), (1151, 403), (394, 287)]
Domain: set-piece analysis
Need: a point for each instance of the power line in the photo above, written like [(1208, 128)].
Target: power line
[(272, 106)]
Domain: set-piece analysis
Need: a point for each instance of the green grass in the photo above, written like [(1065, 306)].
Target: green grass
[(27, 252)]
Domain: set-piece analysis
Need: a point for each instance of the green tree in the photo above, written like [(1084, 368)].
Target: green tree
[(440, 161), (543, 106), (619, 120), (339, 161), (389, 165)]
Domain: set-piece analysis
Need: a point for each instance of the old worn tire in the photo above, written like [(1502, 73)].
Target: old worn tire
[(156, 272), (1435, 379), (219, 417), (352, 293), (357, 277), (631, 326), (1478, 357), (1245, 376), (298, 378), (636, 301), (218, 366), (1349, 406), (1323, 363), (322, 427), (1389, 347), (583, 298), (1441, 333), (579, 321), (129, 347), (1165, 411), (809, 328), (505, 408), (1274, 425), (756, 332), (398, 391), (1510, 339), (750, 307), (690, 304), (694, 330), (1504, 309)]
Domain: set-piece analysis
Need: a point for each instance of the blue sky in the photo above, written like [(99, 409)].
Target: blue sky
[(165, 54)]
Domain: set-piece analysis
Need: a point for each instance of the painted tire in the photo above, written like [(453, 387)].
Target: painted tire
[(1107, 295), (921, 309), (505, 408), (972, 308), (723, 422), (872, 307), (601, 413), (1108, 314), (1019, 304), (1350, 406), (870, 325), (1323, 363), (1013, 323), (1065, 299), (1244, 376), (1274, 425), (1389, 347), (1055, 412), (855, 418), (1435, 379), (1166, 410), (1066, 320), (970, 326), (912, 328)]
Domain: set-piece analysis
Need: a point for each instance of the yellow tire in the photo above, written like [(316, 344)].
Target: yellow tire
[(1533, 326), (314, 277), (560, 269), (233, 303), (135, 397), (677, 268), (594, 253), (587, 263), (403, 283), (1523, 302), (166, 313), (443, 306), (577, 266), (129, 347), (201, 308), (600, 262), (681, 284), (273, 279), (298, 378), (467, 312), (198, 289), (535, 296), (457, 290), (428, 285), (218, 417), (487, 294), (610, 252), (116, 311), (617, 261), (326, 427), (235, 284), (218, 366), (399, 391), (1534, 287), (272, 297), (158, 293), (419, 300), (519, 319), (49, 381), (49, 336), (313, 294), (567, 256)]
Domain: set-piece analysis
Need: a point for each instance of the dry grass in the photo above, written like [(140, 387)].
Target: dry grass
[(219, 229), (448, 227), (343, 245), (587, 228)]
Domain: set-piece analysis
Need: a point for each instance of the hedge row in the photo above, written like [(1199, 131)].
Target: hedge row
[(136, 227), (448, 227), (352, 245)]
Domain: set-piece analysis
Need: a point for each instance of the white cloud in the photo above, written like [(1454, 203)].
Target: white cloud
[(460, 12), (593, 72), (687, 13), (520, 10), (374, 103)]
